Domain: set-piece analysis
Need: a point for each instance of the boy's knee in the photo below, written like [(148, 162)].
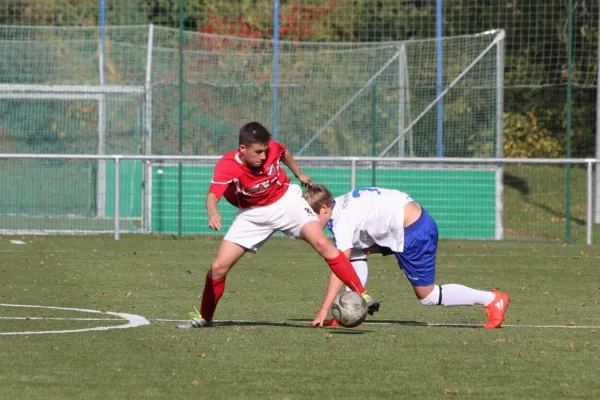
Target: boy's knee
[(218, 269), (433, 298)]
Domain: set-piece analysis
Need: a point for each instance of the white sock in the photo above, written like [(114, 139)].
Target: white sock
[(459, 295), (362, 270)]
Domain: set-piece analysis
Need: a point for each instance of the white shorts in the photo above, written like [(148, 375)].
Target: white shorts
[(252, 226)]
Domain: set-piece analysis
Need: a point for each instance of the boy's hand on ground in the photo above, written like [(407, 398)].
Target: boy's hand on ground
[(318, 321)]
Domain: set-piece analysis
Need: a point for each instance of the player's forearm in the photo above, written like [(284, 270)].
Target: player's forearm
[(333, 288), (290, 162), (211, 204)]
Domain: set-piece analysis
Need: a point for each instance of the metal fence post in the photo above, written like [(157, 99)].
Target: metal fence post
[(589, 219), (117, 196), (353, 174)]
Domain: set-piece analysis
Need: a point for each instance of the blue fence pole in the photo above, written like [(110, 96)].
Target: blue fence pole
[(439, 73), (102, 39), (275, 69)]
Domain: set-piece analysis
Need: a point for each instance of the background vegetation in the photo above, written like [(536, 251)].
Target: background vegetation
[(536, 47)]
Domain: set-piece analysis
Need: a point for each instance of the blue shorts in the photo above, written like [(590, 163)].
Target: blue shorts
[(420, 247)]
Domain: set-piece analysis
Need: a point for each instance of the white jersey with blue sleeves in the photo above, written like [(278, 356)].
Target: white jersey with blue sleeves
[(369, 216)]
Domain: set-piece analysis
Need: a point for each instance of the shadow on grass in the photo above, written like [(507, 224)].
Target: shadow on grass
[(305, 324), (292, 323), (521, 185), (347, 331), (286, 324), (401, 323), (559, 214)]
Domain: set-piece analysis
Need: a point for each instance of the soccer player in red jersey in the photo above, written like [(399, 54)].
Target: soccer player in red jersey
[(252, 179)]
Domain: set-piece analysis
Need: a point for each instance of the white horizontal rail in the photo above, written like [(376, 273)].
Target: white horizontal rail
[(50, 96), (407, 160), (9, 87)]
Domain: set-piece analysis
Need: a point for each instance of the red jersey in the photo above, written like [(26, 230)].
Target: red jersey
[(243, 187)]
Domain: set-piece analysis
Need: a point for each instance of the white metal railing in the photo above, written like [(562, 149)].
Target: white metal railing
[(498, 162)]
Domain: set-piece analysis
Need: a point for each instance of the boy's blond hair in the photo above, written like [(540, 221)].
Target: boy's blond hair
[(317, 196)]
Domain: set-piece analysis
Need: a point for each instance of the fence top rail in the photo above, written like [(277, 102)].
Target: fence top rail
[(20, 87), (423, 160)]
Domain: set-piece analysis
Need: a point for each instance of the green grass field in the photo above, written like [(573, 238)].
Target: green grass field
[(549, 348)]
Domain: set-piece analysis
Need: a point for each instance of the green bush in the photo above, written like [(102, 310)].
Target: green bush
[(525, 136)]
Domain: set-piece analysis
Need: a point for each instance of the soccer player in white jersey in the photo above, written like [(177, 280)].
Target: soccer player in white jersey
[(377, 220)]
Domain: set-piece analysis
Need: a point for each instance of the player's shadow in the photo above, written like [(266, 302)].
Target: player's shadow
[(421, 324), (292, 323), (305, 324), (522, 186), (401, 323), (338, 330), (283, 324), (516, 182), (346, 331)]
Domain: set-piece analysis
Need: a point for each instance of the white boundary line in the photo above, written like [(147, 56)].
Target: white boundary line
[(62, 319), (133, 321)]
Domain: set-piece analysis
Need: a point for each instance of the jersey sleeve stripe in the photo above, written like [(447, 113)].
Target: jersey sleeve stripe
[(221, 183)]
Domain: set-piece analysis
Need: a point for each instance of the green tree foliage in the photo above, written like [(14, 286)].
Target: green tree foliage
[(525, 137), (535, 64)]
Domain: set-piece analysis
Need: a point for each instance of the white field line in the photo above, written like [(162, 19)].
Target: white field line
[(132, 320), (63, 319)]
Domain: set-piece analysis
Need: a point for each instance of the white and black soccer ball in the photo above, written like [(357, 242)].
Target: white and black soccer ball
[(349, 309)]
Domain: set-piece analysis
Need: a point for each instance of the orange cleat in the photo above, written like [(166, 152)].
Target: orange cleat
[(496, 309), (330, 322)]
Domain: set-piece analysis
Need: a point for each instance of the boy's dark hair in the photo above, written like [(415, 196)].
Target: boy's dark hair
[(254, 132)]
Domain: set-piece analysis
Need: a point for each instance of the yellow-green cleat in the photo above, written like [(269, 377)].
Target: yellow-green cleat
[(195, 321)]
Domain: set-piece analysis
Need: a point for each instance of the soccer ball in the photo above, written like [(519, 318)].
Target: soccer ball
[(349, 309)]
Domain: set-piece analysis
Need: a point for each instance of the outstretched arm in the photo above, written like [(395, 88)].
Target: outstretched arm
[(288, 160), (214, 218), (333, 288), (225, 172)]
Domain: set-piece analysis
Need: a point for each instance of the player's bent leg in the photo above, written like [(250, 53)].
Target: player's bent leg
[(214, 286), (312, 232), (427, 295), (228, 254), (459, 295), (495, 302), (451, 295), (362, 270)]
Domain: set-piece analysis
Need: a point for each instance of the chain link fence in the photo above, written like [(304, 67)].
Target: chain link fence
[(547, 106), (535, 80)]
